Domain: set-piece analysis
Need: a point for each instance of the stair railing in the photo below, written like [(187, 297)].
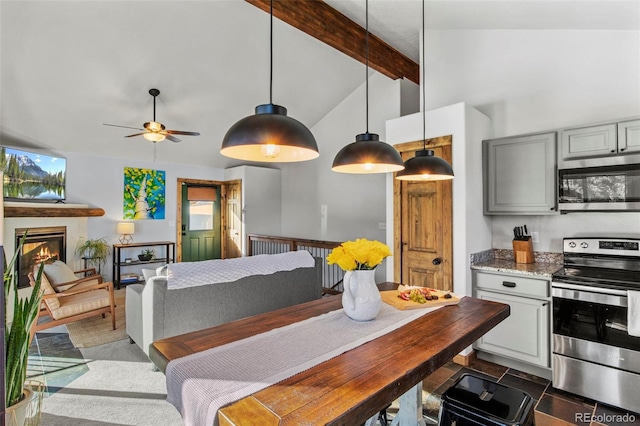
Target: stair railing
[(331, 274)]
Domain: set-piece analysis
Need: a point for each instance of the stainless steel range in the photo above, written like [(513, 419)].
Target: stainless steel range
[(593, 354)]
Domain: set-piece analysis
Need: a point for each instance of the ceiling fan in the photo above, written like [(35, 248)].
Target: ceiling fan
[(154, 131)]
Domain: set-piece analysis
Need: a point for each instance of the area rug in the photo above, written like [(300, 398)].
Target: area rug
[(96, 330)]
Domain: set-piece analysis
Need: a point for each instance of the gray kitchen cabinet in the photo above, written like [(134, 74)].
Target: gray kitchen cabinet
[(601, 140), (629, 136), (525, 334), (520, 174), (592, 141)]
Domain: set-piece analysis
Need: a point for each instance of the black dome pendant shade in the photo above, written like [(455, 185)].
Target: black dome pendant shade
[(368, 154), (269, 135), (425, 165)]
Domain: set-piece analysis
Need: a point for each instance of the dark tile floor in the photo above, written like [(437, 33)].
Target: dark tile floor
[(54, 361), (552, 407)]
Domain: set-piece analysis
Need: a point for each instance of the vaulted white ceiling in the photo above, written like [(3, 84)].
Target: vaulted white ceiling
[(67, 67)]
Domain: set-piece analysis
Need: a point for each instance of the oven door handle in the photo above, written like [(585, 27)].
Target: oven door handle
[(585, 294)]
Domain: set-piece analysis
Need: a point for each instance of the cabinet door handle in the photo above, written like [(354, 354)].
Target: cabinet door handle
[(545, 303), (509, 284)]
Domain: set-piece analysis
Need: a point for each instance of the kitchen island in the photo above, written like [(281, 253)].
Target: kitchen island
[(354, 386)]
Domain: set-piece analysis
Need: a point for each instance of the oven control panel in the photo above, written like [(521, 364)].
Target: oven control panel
[(603, 246)]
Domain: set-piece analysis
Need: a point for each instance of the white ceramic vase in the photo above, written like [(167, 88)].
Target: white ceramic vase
[(361, 298)]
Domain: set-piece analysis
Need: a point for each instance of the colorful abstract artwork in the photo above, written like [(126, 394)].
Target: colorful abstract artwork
[(144, 193)]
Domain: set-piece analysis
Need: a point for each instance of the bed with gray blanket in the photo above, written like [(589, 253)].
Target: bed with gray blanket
[(163, 307)]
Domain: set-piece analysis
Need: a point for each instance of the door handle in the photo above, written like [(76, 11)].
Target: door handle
[(436, 261)]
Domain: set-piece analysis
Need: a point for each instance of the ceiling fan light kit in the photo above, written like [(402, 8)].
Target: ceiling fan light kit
[(154, 131), (367, 154), (270, 135), (425, 166)]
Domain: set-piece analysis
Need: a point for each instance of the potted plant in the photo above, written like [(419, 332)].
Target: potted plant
[(146, 254), (18, 339), (94, 251)]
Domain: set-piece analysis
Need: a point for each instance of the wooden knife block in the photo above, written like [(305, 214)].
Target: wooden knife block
[(523, 251)]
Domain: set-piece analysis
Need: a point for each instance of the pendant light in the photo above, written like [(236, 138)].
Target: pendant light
[(269, 135), (367, 154), (425, 165)]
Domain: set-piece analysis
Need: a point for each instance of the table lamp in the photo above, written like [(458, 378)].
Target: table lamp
[(125, 229)]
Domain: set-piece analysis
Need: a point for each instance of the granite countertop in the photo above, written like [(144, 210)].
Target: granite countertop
[(509, 266)]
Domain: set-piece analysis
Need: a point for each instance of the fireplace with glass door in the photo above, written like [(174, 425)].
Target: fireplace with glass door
[(44, 244)]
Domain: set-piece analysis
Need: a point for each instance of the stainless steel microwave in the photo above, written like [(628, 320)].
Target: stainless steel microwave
[(607, 188)]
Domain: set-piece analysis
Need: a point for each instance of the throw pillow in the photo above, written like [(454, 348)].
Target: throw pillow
[(58, 272), (53, 303), (148, 273)]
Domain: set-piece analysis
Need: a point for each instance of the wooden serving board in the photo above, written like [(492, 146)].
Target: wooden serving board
[(391, 298)]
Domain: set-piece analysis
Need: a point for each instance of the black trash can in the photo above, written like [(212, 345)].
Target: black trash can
[(476, 401)]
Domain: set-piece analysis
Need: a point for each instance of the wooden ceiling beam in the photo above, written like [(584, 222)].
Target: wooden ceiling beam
[(323, 22)]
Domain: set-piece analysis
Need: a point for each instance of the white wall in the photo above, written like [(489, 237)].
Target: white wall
[(261, 200), (553, 228), (534, 80), (98, 181), (531, 81), (355, 203)]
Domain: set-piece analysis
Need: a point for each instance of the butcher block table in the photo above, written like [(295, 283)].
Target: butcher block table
[(352, 387)]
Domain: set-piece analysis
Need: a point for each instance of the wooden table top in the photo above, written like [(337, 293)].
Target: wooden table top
[(351, 387)]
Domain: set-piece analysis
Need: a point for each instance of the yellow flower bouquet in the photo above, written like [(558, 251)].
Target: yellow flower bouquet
[(360, 254)]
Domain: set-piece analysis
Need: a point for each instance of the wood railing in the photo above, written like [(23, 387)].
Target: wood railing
[(331, 274)]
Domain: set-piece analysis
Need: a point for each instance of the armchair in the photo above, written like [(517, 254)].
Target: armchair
[(82, 299), (62, 278)]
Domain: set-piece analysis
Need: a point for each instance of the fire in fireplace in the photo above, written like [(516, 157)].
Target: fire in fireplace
[(44, 244)]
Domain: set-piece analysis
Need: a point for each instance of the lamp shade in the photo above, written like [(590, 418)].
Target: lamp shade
[(126, 228), (270, 136), (425, 166), (367, 155)]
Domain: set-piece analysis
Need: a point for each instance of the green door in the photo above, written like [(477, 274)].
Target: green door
[(201, 230)]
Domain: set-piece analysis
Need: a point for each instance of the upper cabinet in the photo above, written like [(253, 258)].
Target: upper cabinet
[(603, 141), (520, 174), (593, 141), (629, 136)]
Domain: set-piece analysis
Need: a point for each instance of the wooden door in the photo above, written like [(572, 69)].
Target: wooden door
[(232, 236), (423, 245)]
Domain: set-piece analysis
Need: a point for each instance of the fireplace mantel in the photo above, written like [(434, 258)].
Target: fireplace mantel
[(48, 210)]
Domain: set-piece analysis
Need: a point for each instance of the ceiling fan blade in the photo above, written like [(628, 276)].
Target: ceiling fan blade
[(182, 132), (124, 127), (172, 138), (136, 134)]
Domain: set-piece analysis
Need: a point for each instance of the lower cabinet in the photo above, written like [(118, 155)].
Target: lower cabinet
[(524, 334)]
